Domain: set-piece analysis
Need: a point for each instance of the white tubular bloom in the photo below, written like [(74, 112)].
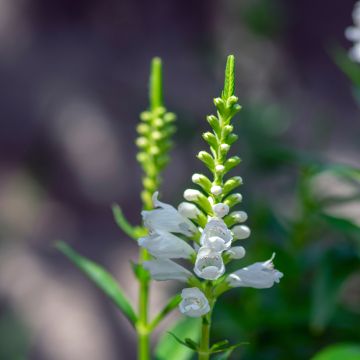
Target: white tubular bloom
[(209, 264), (188, 210), (194, 303), (220, 210), (216, 235), (352, 33), (164, 269), (191, 194), (216, 190), (260, 275), (166, 246), (166, 218), (241, 232), (236, 252)]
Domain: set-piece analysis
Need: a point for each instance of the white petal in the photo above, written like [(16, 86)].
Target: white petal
[(241, 232), (260, 275), (166, 245), (194, 303), (209, 264), (352, 33), (354, 53), (220, 209), (163, 269), (166, 218), (216, 235), (236, 252), (188, 210)]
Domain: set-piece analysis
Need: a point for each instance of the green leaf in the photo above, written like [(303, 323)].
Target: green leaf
[(123, 224), (155, 86), (169, 348), (225, 355), (229, 83), (332, 271), (171, 305), (102, 279), (339, 352), (219, 345)]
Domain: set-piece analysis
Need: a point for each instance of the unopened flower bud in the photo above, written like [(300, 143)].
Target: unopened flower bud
[(156, 135), (239, 216), (233, 199), (241, 232), (220, 210), (232, 183), (191, 194), (141, 141), (188, 210), (225, 147), (216, 190), (207, 159), (145, 116), (219, 168), (143, 128), (201, 180), (232, 162), (236, 252)]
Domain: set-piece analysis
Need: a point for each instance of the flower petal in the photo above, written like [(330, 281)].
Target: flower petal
[(164, 269), (194, 303)]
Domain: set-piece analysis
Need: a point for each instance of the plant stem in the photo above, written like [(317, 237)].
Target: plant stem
[(204, 353), (142, 328)]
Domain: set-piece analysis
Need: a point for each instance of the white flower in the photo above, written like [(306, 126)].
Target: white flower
[(236, 252), (220, 210), (241, 232), (164, 269), (260, 275), (209, 264), (166, 245), (188, 210), (194, 303), (352, 33), (216, 235), (166, 218), (216, 190)]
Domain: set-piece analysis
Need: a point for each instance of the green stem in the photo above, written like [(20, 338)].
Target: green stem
[(143, 328), (204, 351)]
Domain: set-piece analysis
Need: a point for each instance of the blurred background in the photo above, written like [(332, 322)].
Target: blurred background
[(74, 78)]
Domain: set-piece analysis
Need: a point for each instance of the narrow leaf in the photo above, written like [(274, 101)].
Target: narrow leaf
[(229, 83), (101, 278), (123, 224), (155, 86)]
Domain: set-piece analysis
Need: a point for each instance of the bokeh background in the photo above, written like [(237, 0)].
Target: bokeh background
[(74, 78)]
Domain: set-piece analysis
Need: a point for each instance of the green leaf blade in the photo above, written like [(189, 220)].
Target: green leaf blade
[(103, 280), (229, 83)]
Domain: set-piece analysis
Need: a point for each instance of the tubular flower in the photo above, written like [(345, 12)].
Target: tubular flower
[(166, 218), (209, 264), (194, 302), (216, 235), (261, 275), (352, 33), (164, 269), (166, 245)]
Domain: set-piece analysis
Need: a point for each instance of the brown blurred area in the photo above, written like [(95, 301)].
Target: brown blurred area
[(74, 79)]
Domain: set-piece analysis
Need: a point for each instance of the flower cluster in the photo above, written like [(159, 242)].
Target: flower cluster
[(352, 33), (203, 229), (172, 235)]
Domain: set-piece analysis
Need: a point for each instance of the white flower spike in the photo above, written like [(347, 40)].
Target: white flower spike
[(260, 275), (209, 264), (163, 269), (166, 246), (352, 33), (194, 302), (216, 235), (166, 218)]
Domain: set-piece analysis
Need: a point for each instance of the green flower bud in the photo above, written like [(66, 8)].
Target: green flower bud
[(207, 159), (232, 100), (142, 157), (158, 122), (214, 123), (202, 181), (232, 183), (228, 129), (198, 198), (146, 116), (143, 128), (211, 140), (231, 163), (233, 199), (142, 142), (231, 138)]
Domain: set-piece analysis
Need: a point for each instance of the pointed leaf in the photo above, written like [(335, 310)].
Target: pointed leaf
[(101, 278), (229, 84), (169, 348), (123, 224)]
